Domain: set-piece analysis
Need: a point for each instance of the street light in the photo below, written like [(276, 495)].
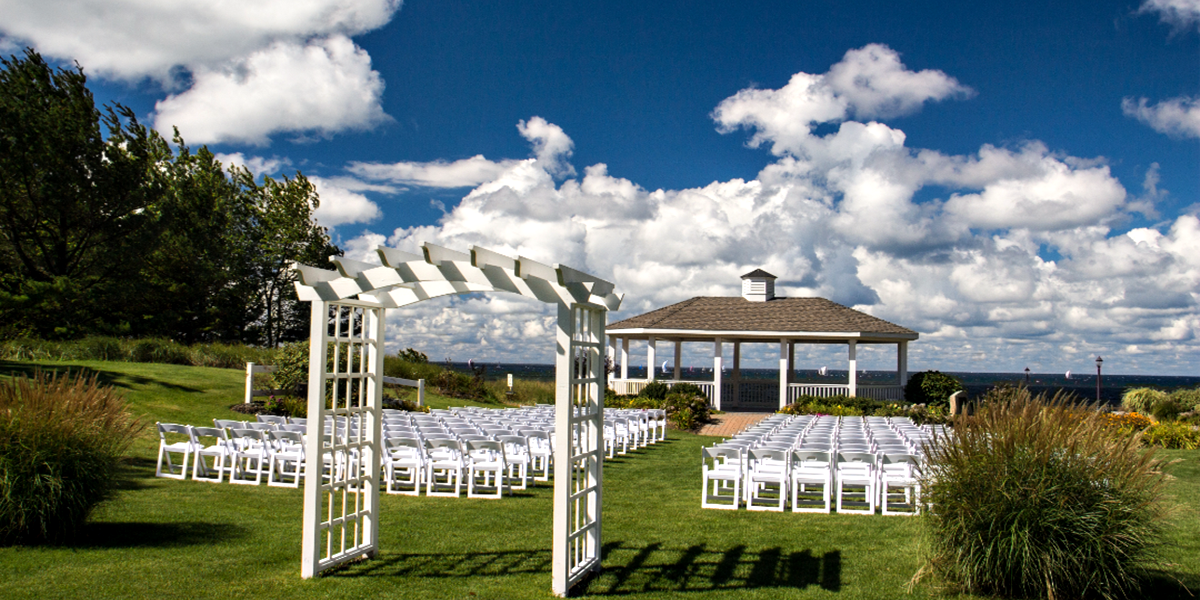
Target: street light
[(1099, 361), (1026, 376)]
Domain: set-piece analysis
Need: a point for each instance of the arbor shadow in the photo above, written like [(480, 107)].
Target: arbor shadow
[(628, 569), (112, 378)]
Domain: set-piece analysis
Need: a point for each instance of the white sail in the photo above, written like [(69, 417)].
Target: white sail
[(822, 371), (1068, 374)]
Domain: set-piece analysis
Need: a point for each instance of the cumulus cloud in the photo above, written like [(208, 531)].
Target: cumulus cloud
[(256, 164), (263, 95), (869, 82), (340, 205), (130, 39), (1177, 117), (1017, 263), (1180, 14), (242, 72), (468, 172)]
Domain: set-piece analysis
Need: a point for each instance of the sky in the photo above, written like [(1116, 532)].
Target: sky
[(1017, 182)]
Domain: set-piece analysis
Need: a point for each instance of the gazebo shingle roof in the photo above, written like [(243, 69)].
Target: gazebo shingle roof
[(707, 313)]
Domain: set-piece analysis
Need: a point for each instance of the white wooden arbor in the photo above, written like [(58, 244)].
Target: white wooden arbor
[(341, 488)]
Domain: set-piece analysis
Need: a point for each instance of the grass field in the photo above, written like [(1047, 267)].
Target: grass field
[(166, 538)]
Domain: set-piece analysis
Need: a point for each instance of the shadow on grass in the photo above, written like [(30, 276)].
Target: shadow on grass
[(629, 569), (1168, 586), (121, 380), (156, 535)]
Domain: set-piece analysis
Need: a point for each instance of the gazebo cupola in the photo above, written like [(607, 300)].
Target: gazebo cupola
[(758, 286)]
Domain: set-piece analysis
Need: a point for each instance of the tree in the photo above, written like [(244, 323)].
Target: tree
[(76, 184), (117, 233)]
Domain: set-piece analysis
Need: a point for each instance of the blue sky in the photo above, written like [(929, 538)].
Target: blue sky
[(1020, 184)]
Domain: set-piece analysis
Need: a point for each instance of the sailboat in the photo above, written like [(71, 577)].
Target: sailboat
[(664, 367), (1068, 374), (822, 371)]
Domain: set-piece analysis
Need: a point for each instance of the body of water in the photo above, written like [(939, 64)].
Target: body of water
[(975, 384)]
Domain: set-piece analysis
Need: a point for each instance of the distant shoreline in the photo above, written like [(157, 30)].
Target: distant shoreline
[(1082, 385)]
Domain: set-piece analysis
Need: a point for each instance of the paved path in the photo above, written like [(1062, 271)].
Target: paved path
[(727, 424)]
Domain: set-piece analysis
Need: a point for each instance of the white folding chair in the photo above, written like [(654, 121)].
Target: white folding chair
[(406, 456), (767, 479), (722, 473), (541, 454), (856, 470), (166, 448), (287, 450), (219, 448), (900, 471), (811, 468), (516, 455), (445, 467), (485, 469), (250, 456)]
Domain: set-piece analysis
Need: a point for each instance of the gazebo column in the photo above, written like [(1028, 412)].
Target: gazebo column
[(611, 353), (853, 369), (624, 358), (678, 354), (902, 363), (792, 362), (785, 366), (650, 358), (736, 377), (717, 366)]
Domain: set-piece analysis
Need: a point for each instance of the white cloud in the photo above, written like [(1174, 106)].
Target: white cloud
[(251, 70), (340, 205), (1017, 264), (468, 172), (323, 87), (868, 82), (131, 39), (1176, 117), (256, 164), (1180, 14), (551, 146)]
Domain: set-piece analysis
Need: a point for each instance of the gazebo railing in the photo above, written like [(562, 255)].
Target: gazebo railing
[(828, 390), (632, 387)]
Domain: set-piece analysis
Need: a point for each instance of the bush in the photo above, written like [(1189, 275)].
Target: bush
[(1175, 436), (61, 439), (932, 388), (233, 356), (1141, 400), (1127, 423), (1037, 498), (686, 411), (1188, 399), (655, 390)]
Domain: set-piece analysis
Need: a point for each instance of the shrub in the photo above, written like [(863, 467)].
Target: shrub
[(1037, 498), (61, 439), (1141, 400), (1127, 423), (685, 411), (1189, 399), (932, 388), (689, 389), (291, 369), (656, 390), (1175, 436)]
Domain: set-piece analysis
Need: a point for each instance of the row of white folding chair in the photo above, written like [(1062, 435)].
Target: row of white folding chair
[(767, 475), (440, 465), (213, 451)]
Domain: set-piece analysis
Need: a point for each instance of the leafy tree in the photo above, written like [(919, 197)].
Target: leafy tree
[(119, 234), (931, 387), (75, 188)]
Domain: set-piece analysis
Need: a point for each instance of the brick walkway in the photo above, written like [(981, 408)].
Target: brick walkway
[(727, 424)]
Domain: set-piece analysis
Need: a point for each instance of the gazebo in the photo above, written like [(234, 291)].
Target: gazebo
[(758, 316)]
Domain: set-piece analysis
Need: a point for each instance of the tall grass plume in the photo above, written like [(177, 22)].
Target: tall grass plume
[(61, 440), (1037, 497)]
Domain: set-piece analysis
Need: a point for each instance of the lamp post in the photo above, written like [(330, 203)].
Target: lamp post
[(1099, 361), (1026, 376)]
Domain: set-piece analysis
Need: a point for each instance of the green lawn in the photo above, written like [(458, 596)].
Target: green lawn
[(170, 538)]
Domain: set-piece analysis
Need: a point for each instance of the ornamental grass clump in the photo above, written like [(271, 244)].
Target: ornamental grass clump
[(1040, 498), (61, 439)]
